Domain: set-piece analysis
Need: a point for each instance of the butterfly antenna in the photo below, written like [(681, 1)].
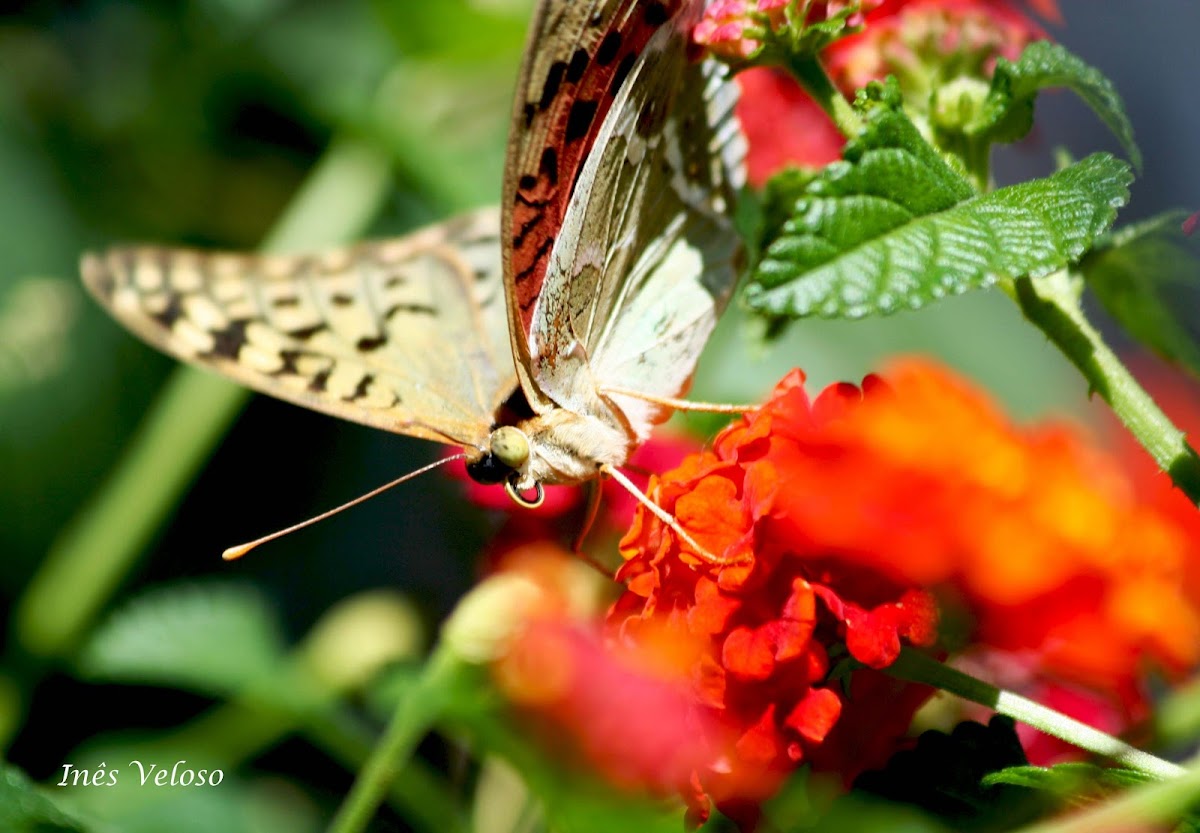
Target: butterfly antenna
[(660, 513), (241, 549)]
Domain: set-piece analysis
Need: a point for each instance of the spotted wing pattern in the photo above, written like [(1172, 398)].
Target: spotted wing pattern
[(407, 335), (579, 54), (647, 254)]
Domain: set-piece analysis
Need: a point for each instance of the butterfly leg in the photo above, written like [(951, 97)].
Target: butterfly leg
[(660, 513), (681, 404), (594, 493), (589, 519)]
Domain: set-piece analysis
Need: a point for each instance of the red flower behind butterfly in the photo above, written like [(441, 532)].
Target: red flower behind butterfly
[(921, 42), (623, 707), (833, 520)]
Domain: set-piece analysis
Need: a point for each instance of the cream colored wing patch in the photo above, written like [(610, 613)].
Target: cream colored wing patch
[(409, 335)]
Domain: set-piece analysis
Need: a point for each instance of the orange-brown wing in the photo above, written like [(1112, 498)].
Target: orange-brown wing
[(578, 55)]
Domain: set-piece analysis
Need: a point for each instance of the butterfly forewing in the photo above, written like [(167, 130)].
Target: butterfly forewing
[(578, 56), (407, 335)]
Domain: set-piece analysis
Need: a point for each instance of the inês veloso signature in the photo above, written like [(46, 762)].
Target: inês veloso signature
[(148, 775)]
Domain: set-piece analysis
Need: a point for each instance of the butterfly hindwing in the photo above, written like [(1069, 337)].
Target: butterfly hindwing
[(646, 256), (407, 335), (578, 57)]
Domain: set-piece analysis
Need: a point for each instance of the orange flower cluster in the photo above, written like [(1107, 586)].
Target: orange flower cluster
[(776, 602), (830, 520)]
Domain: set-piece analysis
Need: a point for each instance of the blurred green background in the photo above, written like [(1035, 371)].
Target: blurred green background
[(198, 123)]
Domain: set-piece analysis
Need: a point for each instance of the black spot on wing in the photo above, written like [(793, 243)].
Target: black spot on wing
[(579, 63), (360, 390), (609, 47), (656, 13), (411, 309), (171, 313), (548, 166), (541, 253), (341, 300), (286, 302), (320, 381), (369, 344), (523, 232), (305, 333), (554, 79), (579, 120), (228, 341), (289, 366)]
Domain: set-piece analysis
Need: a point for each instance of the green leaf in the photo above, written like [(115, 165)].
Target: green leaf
[(1148, 277), (1007, 113), (779, 195), (27, 808), (209, 639), (1069, 779), (895, 227)]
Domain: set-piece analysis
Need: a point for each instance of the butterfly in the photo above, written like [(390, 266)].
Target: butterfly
[(546, 339)]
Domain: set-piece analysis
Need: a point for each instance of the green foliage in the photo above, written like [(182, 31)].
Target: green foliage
[(210, 639), (1068, 780), (1148, 277), (1007, 112), (895, 227), (26, 808)]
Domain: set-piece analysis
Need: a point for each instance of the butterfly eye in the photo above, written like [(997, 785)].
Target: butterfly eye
[(488, 470), (510, 446)]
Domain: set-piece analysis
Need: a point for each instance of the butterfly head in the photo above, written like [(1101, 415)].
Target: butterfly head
[(559, 446), (507, 454), (506, 461)]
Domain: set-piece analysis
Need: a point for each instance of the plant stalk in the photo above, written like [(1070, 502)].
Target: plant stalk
[(1052, 303), (916, 667)]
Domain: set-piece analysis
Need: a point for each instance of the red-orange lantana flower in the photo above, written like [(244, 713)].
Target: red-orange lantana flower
[(775, 602), (832, 521)]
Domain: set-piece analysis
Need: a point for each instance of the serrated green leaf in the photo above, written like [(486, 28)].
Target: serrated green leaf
[(27, 808), (1148, 277), (208, 639), (878, 236), (1007, 114), (779, 195)]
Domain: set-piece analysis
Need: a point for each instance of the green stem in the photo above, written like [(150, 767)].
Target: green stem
[(1145, 807), (413, 718), (816, 82), (102, 544), (917, 667), (1052, 303)]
